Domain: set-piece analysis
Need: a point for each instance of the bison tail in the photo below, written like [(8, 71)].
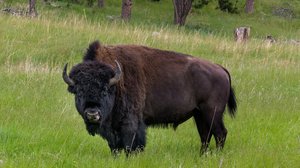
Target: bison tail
[(231, 104)]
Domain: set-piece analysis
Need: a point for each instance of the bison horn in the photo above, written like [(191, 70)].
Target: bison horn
[(117, 77), (66, 78)]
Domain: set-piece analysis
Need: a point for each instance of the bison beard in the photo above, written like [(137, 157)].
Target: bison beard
[(120, 90)]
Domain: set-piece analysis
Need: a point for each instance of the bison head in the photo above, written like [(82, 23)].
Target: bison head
[(93, 85)]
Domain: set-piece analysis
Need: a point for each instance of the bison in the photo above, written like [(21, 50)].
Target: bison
[(121, 90)]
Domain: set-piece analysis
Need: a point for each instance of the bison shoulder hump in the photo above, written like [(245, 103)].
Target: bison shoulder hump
[(91, 52)]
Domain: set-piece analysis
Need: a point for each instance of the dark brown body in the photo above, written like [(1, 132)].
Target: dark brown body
[(162, 87)]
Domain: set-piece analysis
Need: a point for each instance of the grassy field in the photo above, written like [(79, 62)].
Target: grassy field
[(40, 127)]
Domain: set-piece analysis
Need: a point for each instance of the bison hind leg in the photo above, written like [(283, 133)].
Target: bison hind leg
[(203, 129), (217, 126), (209, 122), (220, 133)]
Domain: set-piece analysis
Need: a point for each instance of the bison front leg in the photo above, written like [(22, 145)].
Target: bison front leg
[(115, 145), (113, 140), (133, 136)]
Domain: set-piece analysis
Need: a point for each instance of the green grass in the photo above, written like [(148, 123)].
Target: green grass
[(40, 127)]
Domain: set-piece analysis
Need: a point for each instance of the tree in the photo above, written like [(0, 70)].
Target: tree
[(249, 6), (32, 9), (126, 9), (181, 10), (100, 3)]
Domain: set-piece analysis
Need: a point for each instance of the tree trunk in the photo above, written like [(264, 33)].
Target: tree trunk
[(32, 9), (181, 10), (249, 6), (100, 3), (241, 34), (126, 9)]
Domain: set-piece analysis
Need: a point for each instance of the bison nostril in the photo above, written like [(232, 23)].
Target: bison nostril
[(93, 116)]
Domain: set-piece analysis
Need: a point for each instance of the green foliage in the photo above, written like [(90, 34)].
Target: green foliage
[(198, 4), (223, 5), (227, 6)]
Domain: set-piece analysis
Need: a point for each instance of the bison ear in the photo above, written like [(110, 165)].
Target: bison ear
[(91, 52)]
